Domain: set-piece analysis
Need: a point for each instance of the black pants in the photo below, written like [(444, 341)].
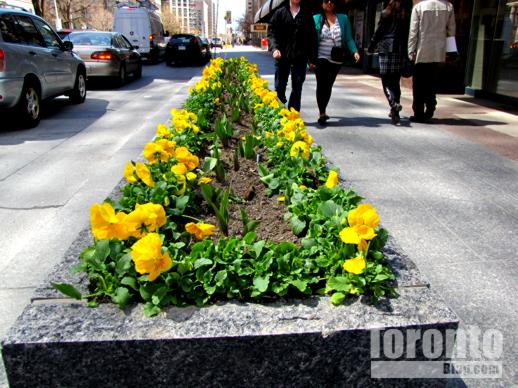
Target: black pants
[(391, 88), (298, 76), (325, 73), (423, 89)]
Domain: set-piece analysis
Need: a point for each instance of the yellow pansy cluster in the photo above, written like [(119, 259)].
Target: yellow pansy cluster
[(186, 162), (209, 75), (134, 172), (107, 224), (161, 150), (362, 221), (184, 120), (260, 89)]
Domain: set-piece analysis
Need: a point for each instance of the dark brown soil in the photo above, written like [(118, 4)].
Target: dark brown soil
[(246, 185)]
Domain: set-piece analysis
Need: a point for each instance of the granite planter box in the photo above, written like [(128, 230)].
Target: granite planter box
[(58, 342)]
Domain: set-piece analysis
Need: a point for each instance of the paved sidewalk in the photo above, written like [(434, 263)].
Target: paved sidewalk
[(447, 191)]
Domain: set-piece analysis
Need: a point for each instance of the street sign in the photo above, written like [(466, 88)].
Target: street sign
[(259, 27)]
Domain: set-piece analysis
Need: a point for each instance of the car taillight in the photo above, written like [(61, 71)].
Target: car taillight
[(2, 60), (102, 55), (195, 40), (151, 37)]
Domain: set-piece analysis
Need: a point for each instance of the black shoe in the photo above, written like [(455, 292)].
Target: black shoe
[(417, 119), (428, 114), (322, 119), (394, 113)]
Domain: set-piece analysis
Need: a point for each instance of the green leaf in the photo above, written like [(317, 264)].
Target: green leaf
[(258, 248), (337, 298), (220, 277), (261, 283), (181, 202), (249, 238), (201, 262), (300, 284), (123, 264), (67, 289), (150, 310), (329, 209), (308, 242), (121, 297), (209, 164), (339, 283), (102, 250), (130, 282), (297, 225)]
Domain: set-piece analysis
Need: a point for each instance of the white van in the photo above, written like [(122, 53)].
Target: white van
[(143, 28)]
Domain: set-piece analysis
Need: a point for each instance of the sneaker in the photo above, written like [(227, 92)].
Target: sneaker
[(428, 114), (394, 115)]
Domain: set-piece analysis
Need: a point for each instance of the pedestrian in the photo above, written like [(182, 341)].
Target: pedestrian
[(292, 39), (390, 40), (431, 22), (334, 35)]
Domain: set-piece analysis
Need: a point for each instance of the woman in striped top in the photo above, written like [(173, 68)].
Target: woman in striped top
[(333, 30)]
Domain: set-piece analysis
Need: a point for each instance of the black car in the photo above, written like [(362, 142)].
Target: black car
[(187, 49)]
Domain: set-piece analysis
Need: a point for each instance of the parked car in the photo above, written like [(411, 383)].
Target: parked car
[(35, 64), (186, 49), (107, 54), (143, 28), (216, 42)]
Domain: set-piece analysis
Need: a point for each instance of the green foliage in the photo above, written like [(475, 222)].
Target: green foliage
[(230, 267)]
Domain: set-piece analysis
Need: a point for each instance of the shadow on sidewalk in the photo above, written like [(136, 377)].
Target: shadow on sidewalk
[(465, 122), (370, 122)]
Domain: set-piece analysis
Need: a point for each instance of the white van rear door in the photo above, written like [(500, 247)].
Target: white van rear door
[(134, 25)]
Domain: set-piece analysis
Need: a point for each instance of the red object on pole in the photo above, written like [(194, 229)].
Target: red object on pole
[(264, 43)]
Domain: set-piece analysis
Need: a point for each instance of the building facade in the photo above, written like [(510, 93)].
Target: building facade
[(195, 16)]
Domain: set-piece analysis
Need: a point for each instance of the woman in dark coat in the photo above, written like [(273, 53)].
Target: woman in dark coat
[(390, 41)]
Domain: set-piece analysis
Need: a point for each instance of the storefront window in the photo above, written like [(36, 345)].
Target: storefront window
[(494, 47)]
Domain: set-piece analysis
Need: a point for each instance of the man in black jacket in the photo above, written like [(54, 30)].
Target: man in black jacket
[(293, 42)]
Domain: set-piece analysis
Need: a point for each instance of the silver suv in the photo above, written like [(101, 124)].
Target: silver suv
[(35, 64)]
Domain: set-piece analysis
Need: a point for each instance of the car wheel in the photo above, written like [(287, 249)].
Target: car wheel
[(121, 80), (78, 94), (29, 106)]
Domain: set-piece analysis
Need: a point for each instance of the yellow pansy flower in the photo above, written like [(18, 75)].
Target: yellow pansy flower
[(356, 265), (204, 180), (301, 149), (332, 179), (129, 173), (106, 224), (154, 152), (163, 131), (363, 214), (190, 176), (179, 169), (355, 234), (147, 255), (144, 174), (144, 219), (200, 230)]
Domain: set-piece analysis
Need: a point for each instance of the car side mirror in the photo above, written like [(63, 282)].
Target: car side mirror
[(68, 45)]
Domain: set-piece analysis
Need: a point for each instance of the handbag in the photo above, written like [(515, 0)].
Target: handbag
[(338, 54)]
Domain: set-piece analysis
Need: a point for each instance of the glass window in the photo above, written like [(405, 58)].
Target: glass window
[(125, 42), (28, 32), (50, 38), (8, 29), (493, 52)]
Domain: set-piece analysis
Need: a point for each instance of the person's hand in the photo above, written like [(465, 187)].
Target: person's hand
[(356, 57), (412, 57), (276, 54)]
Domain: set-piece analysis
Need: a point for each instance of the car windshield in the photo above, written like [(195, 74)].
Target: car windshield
[(89, 39)]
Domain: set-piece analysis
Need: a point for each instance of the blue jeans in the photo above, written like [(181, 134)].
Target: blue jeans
[(298, 76)]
